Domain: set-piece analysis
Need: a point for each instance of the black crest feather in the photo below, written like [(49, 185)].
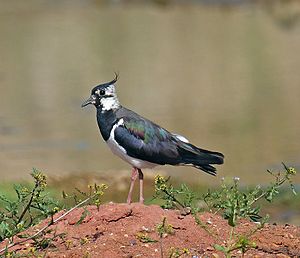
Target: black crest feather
[(115, 79), (104, 85)]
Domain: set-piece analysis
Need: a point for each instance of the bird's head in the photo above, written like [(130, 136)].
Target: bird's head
[(104, 96)]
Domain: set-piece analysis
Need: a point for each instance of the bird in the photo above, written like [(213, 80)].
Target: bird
[(141, 142)]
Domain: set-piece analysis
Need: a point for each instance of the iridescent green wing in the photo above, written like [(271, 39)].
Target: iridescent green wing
[(145, 140)]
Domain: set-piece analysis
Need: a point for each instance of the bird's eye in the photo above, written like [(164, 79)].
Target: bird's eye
[(102, 92)]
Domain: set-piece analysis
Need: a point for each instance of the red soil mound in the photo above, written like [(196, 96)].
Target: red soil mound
[(121, 230)]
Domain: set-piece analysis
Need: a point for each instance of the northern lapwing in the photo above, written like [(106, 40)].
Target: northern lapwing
[(142, 143)]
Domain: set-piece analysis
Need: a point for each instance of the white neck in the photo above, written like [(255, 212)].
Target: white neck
[(109, 103)]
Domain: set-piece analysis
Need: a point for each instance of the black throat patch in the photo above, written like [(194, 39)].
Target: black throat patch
[(106, 120)]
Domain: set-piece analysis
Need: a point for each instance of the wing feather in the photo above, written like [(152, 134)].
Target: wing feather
[(145, 140)]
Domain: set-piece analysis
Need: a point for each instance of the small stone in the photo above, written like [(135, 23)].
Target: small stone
[(209, 222), (155, 250), (210, 248), (288, 235), (132, 242), (145, 229), (185, 211), (97, 235), (275, 246), (125, 235)]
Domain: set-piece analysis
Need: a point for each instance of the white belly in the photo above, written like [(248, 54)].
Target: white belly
[(121, 152)]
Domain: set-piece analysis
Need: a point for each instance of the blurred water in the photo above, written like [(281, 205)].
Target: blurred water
[(227, 79)]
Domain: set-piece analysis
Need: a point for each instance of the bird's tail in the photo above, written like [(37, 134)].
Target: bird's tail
[(200, 158)]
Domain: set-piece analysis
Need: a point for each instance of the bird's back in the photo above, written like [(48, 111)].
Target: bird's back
[(146, 140)]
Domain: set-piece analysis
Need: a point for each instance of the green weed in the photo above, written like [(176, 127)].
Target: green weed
[(175, 252), (234, 203), (144, 238), (181, 198), (163, 229), (31, 205), (231, 202)]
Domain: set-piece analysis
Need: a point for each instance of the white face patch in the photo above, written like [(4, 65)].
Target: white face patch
[(109, 91), (109, 100)]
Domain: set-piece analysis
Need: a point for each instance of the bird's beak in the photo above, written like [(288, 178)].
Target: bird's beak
[(90, 100)]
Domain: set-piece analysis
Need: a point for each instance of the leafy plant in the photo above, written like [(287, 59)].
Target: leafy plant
[(177, 252), (144, 238), (34, 204), (47, 239), (241, 242), (31, 205), (163, 229), (93, 194), (232, 202), (182, 198)]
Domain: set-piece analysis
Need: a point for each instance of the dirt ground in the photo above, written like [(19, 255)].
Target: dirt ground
[(121, 230)]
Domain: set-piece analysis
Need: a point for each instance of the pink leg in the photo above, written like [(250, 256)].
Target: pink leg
[(141, 178), (134, 175)]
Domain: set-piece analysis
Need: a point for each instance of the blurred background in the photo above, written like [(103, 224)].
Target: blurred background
[(223, 73)]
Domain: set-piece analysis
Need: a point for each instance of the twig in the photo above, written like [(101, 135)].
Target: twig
[(161, 247), (161, 238), (174, 199), (28, 204), (48, 225), (277, 185)]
